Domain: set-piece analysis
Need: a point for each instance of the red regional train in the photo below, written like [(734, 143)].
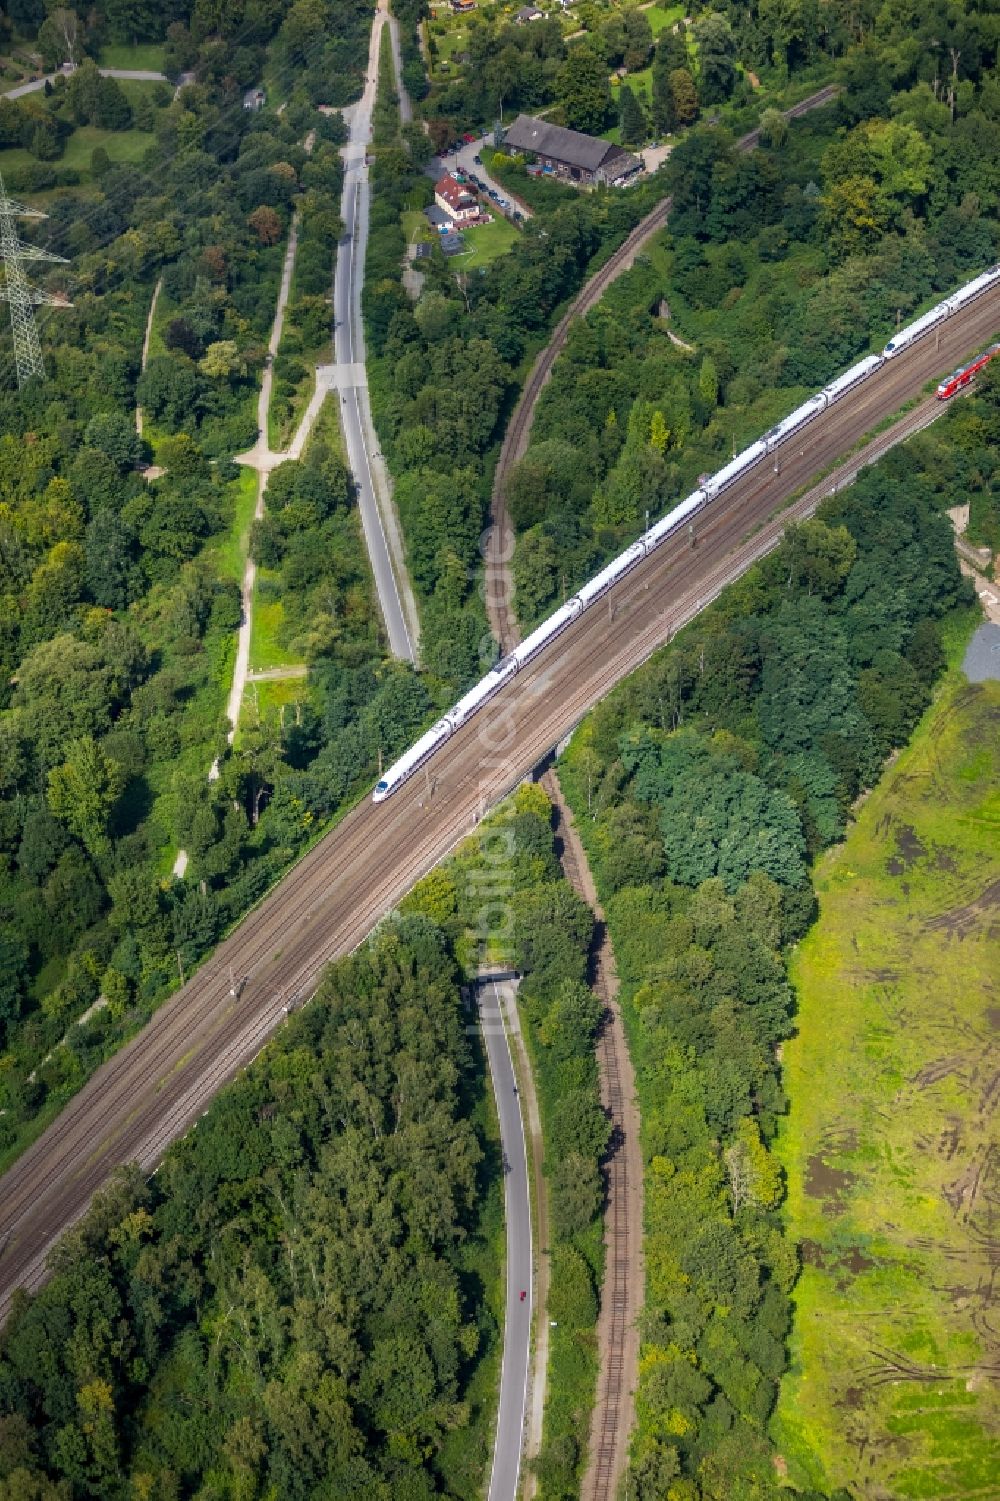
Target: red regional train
[(961, 377)]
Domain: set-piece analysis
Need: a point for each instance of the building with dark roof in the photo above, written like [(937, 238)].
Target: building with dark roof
[(570, 153)]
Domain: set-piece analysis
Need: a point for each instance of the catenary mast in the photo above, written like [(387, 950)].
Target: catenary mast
[(18, 291)]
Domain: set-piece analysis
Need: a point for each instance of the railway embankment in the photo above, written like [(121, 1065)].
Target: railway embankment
[(621, 1296), (500, 607)]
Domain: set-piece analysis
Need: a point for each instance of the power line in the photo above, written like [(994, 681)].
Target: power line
[(227, 116), (19, 292)]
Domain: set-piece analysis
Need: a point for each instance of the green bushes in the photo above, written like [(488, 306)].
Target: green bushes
[(302, 1269), (700, 785), (119, 597), (760, 275)]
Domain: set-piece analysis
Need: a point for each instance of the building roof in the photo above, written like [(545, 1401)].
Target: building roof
[(454, 193), (562, 145), (436, 216), (529, 13)]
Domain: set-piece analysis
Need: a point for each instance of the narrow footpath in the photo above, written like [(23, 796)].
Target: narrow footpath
[(623, 1288), (405, 102), (262, 458), (145, 350)]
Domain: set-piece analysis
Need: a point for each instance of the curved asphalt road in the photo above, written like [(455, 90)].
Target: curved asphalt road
[(497, 1011), (349, 354)]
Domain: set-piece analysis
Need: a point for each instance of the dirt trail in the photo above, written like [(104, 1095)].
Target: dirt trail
[(145, 348), (622, 1293)]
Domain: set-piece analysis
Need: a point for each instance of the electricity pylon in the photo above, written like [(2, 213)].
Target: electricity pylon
[(18, 291)]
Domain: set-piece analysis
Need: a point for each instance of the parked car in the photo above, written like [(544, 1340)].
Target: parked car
[(468, 137), (478, 160)]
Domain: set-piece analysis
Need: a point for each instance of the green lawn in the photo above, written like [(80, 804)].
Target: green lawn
[(455, 40), (660, 16), (487, 241), (137, 89), (890, 1144), (640, 83), (145, 58), (121, 146), (268, 618), (230, 551), (269, 699), (416, 228)]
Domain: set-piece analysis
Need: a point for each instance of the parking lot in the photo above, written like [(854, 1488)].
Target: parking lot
[(467, 158)]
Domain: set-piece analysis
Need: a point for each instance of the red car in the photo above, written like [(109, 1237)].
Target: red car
[(468, 137), (524, 1294)]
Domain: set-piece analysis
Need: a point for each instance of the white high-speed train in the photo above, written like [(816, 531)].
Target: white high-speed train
[(508, 667)]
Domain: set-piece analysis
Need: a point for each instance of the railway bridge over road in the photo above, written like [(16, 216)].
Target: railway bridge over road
[(159, 1084)]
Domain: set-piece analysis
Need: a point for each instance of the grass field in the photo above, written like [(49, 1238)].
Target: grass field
[(486, 242), (271, 699), (145, 58), (230, 551), (121, 146), (660, 16), (416, 228), (891, 1145), (266, 650)]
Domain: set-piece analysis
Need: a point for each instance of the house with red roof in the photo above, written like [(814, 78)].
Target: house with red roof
[(455, 200)]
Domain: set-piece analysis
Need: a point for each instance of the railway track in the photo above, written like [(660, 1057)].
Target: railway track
[(621, 1294), (159, 1084), (499, 545)]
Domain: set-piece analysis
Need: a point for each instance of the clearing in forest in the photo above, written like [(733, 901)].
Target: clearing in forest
[(891, 1146)]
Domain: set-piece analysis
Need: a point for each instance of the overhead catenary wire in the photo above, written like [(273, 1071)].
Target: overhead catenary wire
[(231, 113)]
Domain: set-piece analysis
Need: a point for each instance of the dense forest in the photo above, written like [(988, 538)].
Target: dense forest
[(287, 1306), (778, 269), (703, 786), (305, 1297)]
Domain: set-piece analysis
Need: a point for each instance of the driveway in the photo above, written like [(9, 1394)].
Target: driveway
[(465, 158), (137, 75)]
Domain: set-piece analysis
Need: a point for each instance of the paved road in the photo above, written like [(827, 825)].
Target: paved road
[(349, 354), (157, 1086), (138, 75), (497, 1007)]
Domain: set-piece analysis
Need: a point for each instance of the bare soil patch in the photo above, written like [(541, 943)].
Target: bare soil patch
[(826, 1182)]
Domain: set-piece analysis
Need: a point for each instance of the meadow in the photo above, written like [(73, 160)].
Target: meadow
[(890, 1147)]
